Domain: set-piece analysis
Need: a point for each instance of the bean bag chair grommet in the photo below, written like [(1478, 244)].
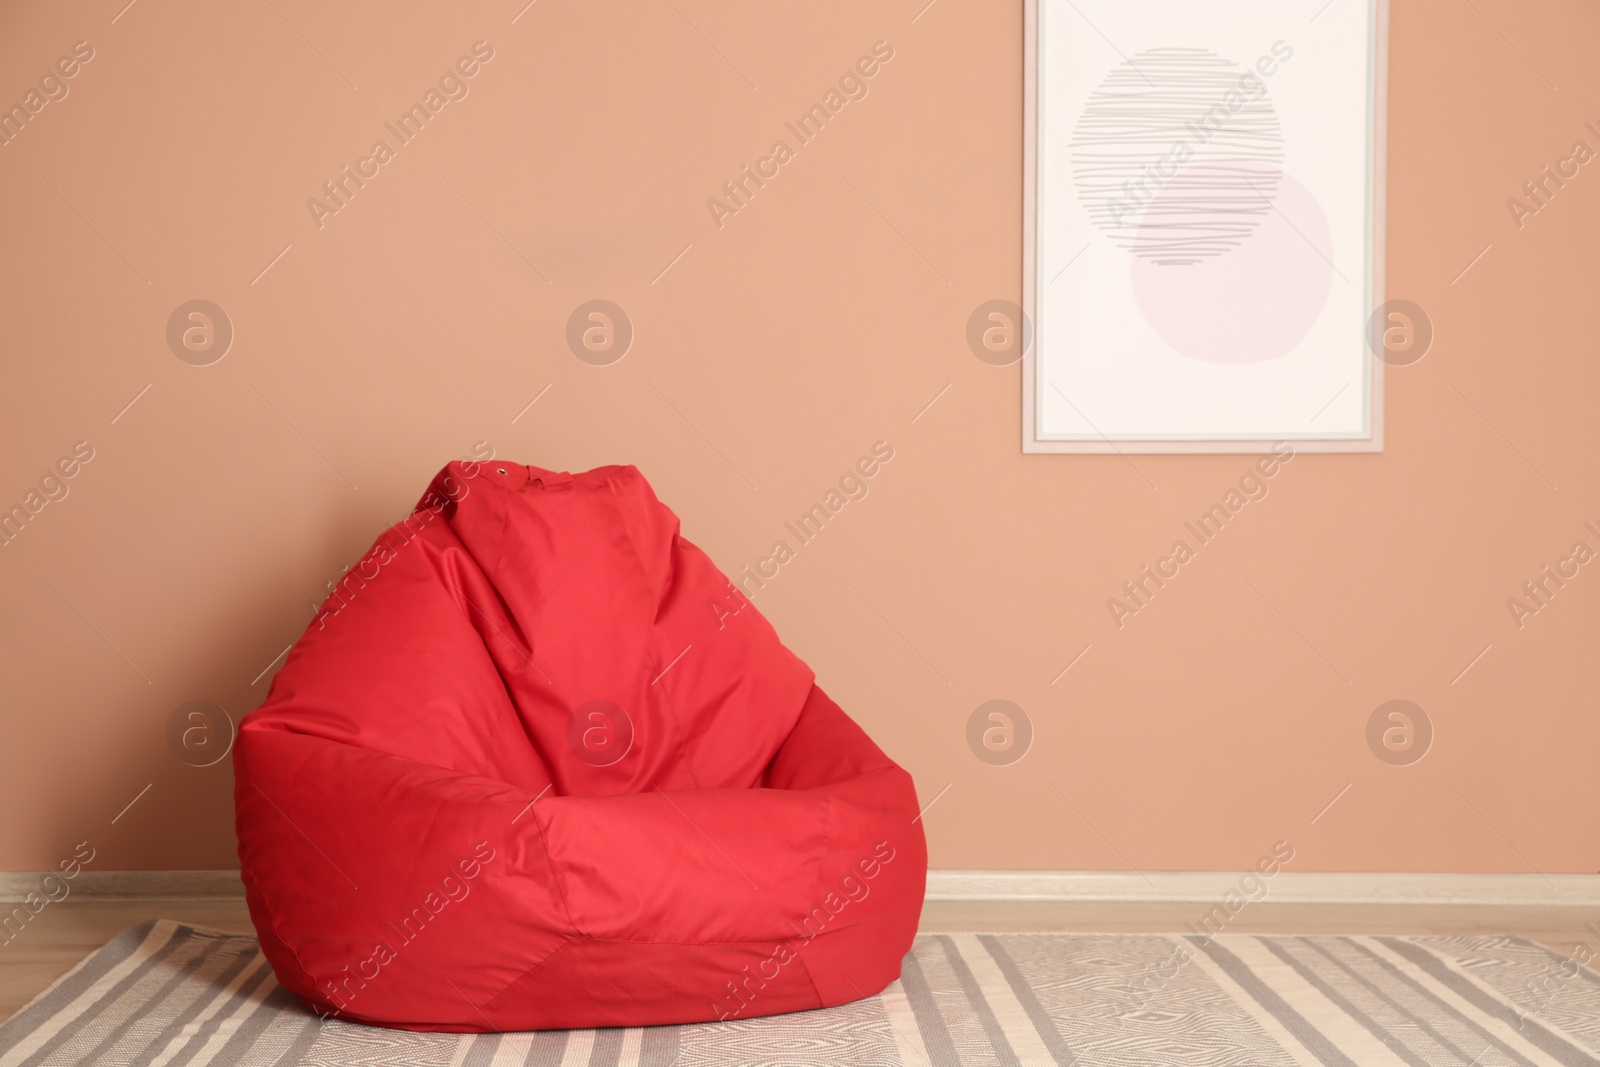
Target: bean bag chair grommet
[(536, 763)]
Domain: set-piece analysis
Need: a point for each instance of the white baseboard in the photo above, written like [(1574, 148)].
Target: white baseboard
[(1287, 887)]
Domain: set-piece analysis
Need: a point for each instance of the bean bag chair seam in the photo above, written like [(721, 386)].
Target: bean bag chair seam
[(758, 944), (662, 594), (682, 747), (511, 985), (682, 944), (829, 839), (638, 555), (493, 571), (555, 876), (468, 608), (811, 980), (277, 935)]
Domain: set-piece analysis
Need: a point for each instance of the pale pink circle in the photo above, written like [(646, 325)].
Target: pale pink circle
[(1245, 300)]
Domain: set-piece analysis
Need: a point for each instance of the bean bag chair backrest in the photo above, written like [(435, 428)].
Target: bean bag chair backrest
[(594, 579)]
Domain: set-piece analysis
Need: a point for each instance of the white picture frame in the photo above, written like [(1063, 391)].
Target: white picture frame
[(1109, 82)]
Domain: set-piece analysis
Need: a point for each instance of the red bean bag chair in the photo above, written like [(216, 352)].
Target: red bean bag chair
[(538, 764)]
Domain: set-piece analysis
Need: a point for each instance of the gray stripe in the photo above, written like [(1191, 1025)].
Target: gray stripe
[(239, 999), (549, 1048), (155, 1003), (169, 1033), (1583, 972), (935, 1036), (92, 1011), (659, 1047), (1417, 1020), (1003, 1052), (607, 1048), (1368, 1023), (1020, 988), (276, 1006), (1562, 1051), (1442, 1004), (74, 984), (304, 1041), (481, 1054), (1313, 1039)]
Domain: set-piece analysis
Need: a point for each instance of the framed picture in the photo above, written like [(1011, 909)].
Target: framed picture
[(1203, 225)]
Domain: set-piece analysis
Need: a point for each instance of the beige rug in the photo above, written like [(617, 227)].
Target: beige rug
[(173, 995)]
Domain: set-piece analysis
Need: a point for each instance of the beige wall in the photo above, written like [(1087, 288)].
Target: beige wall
[(818, 320)]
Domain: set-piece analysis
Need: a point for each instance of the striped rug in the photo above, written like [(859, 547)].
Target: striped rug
[(171, 995)]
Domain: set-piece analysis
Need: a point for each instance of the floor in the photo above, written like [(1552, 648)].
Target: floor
[(64, 933)]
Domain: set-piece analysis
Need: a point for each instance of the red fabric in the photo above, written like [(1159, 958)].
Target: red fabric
[(429, 842)]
